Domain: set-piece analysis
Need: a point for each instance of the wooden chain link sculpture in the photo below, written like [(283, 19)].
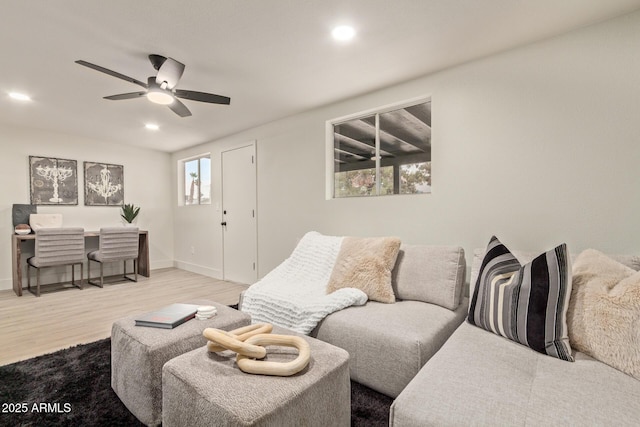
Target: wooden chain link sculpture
[(249, 342)]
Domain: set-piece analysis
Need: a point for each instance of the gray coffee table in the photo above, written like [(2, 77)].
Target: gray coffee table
[(138, 354)]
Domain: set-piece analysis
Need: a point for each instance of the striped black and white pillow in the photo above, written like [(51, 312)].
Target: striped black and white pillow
[(525, 303)]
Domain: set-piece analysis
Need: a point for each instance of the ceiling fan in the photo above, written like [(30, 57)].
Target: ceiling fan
[(161, 88)]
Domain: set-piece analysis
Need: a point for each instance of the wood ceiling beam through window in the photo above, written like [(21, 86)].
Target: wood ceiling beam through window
[(356, 147), (344, 156), (406, 127), (421, 112)]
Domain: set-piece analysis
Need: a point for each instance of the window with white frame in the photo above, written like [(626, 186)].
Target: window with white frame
[(382, 152), (197, 180)]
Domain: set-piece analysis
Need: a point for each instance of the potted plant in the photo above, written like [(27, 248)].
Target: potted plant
[(129, 212)]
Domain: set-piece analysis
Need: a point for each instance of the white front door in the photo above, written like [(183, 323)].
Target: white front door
[(239, 214)]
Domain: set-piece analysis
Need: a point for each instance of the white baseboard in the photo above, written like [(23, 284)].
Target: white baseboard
[(195, 268), (167, 263)]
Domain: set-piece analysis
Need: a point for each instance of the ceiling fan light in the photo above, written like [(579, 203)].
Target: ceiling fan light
[(159, 96)]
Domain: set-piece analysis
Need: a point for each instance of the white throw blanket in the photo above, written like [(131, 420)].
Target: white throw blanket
[(294, 294)]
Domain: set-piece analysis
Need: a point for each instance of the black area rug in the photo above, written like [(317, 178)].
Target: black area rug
[(72, 387)]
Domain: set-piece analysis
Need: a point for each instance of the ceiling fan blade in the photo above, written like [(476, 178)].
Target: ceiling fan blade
[(202, 96), (129, 95), (111, 73), (157, 60), (179, 108), (170, 71)]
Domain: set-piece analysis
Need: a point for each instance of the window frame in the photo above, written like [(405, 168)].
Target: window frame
[(376, 112)]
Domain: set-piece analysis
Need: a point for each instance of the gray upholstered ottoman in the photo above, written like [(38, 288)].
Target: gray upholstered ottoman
[(138, 353), (205, 389)]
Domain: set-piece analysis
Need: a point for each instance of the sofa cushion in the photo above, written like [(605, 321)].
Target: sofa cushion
[(479, 378), (527, 304), (389, 343), (604, 312), (366, 264), (433, 274)]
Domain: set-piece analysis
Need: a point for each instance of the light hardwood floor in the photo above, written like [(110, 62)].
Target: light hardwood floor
[(31, 326)]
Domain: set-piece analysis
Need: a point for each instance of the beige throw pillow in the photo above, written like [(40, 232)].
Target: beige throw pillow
[(604, 311), (366, 264)]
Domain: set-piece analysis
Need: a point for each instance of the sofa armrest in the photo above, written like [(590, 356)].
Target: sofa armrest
[(240, 300)]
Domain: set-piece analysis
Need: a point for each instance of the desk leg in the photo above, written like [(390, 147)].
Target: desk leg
[(143, 255), (16, 255)]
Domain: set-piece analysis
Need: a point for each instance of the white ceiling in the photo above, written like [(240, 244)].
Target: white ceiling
[(274, 58)]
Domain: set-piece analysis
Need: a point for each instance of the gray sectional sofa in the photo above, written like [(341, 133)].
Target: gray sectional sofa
[(482, 379), (443, 371), (388, 344)]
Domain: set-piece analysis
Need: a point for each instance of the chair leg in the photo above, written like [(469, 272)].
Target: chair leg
[(94, 283), (38, 282), (73, 282), (73, 278), (135, 271), (37, 292), (125, 274)]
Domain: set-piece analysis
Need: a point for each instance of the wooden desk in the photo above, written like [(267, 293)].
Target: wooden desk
[(16, 250)]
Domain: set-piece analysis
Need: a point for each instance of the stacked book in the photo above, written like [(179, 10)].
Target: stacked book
[(168, 317)]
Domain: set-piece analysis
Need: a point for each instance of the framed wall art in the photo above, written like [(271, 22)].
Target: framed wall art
[(103, 184), (53, 181)]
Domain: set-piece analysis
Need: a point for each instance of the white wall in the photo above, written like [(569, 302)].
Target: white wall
[(537, 145), (147, 177)]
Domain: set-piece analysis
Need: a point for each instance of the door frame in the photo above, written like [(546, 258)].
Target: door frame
[(252, 144)]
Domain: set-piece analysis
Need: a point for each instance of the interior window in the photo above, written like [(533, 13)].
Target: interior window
[(383, 153)]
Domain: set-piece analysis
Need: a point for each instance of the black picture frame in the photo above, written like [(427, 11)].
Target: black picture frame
[(103, 184), (53, 181)]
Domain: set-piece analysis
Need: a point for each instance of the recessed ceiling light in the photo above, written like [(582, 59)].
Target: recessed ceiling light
[(20, 96), (343, 33), (152, 126)]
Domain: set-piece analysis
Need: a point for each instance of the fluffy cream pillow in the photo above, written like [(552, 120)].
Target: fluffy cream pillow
[(366, 264), (604, 311)]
